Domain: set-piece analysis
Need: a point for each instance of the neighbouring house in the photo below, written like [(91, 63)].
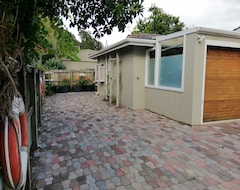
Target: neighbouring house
[(85, 62), (191, 76)]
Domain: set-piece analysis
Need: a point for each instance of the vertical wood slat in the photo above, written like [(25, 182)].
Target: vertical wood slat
[(222, 85)]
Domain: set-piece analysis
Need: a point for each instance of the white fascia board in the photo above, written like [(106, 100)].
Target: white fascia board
[(124, 43), (201, 30)]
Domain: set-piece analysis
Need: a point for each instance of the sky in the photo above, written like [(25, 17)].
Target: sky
[(219, 14)]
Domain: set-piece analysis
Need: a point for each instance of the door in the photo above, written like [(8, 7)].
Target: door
[(222, 84)]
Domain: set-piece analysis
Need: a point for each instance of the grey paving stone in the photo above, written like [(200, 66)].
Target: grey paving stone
[(101, 184), (125, 181), (89, 141), (116, 181)]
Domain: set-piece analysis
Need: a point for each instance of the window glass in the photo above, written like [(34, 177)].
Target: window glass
[(170, 63), (100, 73), (151, 68)]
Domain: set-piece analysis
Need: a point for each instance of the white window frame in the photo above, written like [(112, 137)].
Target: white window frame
[(98, 76), (158, 52), (146, 67)]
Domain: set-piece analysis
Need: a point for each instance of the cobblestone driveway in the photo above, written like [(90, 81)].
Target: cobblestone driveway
[(87, 144)]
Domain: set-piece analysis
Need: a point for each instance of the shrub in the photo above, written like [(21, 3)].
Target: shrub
[(54, 63)]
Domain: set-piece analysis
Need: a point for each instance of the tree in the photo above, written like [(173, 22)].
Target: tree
[(101, 15), (61, 42), (158, 22), (22, 35), (88, 42), (23, 18)]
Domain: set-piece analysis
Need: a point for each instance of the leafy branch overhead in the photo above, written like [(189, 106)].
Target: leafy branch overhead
[(101, 15)]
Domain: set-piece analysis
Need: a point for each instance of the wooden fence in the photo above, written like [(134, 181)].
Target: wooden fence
[(58, 76)]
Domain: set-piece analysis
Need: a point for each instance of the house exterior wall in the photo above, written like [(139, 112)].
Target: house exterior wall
[(85, 62), (187, 106), (213, 40), (196, 71), (102, 91), (78, 66), (197, 78), (139, 61), (176, 105), (126, 57), (132, 76)]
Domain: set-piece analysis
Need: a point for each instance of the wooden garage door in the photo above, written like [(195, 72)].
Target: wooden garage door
[(222, 85)]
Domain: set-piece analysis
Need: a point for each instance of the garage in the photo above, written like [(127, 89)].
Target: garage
[(222, 84)]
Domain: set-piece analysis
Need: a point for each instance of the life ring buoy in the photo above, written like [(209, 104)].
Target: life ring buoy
[(14, 147), (24, 129), (41, 86)]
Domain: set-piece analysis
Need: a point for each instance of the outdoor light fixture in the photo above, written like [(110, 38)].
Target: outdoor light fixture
[(200, 38)]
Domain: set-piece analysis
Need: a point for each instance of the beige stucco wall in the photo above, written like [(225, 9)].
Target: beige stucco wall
[(180, 105), (132, 77), (187, 106), (78, 66), (126, 77), (139, 61), (85, 62)]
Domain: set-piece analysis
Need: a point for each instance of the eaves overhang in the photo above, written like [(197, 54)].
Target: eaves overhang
[(122, 44)]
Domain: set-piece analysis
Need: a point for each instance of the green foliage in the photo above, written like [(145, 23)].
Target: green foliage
[(101, 15), (54, 63), (114, 99), (23, 32), (65, 82), (80, 81), (63, 44), (40, 67), (46, 57), (49, 89), (84, 81), (88, 42), (66, 45), (158, 22)]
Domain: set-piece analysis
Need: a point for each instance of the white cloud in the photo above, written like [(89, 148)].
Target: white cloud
[(219, 14)]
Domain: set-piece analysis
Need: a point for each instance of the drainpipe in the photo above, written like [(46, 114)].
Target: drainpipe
[(106, 77), (118, 81), (110, 79)]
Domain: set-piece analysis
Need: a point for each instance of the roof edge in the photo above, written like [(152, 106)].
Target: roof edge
[(202, 30), (124, 43)]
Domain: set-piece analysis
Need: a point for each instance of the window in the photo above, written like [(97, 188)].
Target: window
[(100, 73), (171, 64), (150, 67)]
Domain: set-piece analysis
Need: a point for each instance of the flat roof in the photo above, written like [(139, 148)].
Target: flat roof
[(151, 43), (201, 30), (124, 43)]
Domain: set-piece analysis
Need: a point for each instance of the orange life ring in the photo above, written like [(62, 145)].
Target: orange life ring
[(10, 155), (13, 151), (24, 129), (41, 86)]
